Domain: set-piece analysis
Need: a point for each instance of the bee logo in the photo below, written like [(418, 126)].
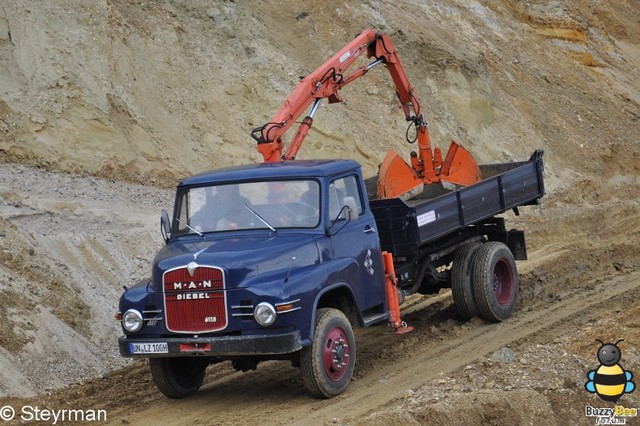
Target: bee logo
[(609, 381)]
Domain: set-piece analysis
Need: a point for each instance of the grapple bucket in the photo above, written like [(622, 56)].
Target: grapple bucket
[(459, 167), (397, 179)]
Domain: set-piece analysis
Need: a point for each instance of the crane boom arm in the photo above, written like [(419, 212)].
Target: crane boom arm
[(396, 176), (326, 82)]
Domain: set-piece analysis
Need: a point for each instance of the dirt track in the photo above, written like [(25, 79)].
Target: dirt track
[(275, 392)]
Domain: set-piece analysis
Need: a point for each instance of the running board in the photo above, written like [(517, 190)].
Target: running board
[(375, 318)]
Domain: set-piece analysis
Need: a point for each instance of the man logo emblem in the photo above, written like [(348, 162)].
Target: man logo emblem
[(368, 263)]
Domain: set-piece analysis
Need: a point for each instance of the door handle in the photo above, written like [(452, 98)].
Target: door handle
[(369, 230)]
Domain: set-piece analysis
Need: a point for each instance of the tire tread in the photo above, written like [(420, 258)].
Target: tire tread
[(167, 384), (461, 281), (482, 278), (311, 364)]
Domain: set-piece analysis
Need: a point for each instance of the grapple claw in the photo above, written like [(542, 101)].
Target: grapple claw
[(397, 179)]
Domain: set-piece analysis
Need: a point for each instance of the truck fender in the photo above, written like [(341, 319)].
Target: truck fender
[(137, 292), (332, 287)]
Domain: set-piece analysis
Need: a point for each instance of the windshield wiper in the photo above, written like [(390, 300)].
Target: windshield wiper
[(192, 229), (260, 217)]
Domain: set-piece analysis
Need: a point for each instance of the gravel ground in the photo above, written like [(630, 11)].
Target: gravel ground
[(76, 241)]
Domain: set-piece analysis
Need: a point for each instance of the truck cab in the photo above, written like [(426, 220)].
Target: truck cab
[(263, 261)]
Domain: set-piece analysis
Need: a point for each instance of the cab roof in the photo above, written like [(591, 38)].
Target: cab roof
[(265, 171)]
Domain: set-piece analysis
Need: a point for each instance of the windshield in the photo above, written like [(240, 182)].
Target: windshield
[(251, 205)]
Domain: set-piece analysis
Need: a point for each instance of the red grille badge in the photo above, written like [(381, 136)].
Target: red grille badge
[(195, 299)]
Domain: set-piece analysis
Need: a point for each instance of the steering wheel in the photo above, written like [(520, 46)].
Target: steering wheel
[(301, 213)]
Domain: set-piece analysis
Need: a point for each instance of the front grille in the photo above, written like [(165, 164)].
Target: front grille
[(195, 299)]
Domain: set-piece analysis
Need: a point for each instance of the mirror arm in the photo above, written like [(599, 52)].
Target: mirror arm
[(328, 231)]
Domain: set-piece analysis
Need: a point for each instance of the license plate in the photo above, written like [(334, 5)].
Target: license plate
[(148, 348)]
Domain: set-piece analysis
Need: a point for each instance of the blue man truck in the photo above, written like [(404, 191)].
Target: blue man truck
[(280, 260)]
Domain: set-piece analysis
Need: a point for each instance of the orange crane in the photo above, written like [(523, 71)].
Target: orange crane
[(396, 178)]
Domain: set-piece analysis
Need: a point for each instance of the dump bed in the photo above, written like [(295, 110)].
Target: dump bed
[(405, 226)]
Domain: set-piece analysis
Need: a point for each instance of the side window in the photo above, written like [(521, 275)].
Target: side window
[(183, 215), (344, 191)]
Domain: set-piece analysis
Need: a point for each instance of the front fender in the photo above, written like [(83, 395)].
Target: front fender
[(136, 293), (309, 284), (330, 288)]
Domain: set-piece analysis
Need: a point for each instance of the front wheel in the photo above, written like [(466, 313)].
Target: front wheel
[(177, 377), (327, 365), (495, 281)]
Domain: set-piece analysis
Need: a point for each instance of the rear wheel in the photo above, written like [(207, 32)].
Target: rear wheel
[(177, 377), (327, 365), (495, 281), (461, 281)]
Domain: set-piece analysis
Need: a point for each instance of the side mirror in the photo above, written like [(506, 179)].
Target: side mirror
[(165, 226), (352, 208), (348, 213)]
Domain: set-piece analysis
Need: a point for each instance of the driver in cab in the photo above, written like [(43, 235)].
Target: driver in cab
[(224, 209)]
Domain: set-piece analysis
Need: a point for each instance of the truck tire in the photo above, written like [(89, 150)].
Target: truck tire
[(177, 377), (461, 281), (327, 364), (495, 281)]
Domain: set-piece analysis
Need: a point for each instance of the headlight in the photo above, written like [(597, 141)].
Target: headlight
[(132, 321), (265, 314)]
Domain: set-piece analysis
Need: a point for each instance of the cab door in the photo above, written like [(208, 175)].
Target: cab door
[(355, 241)]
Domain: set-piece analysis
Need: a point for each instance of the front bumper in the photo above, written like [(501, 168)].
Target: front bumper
[(220, 346)]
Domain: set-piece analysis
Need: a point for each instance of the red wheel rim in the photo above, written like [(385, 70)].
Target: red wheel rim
[(336, 354), (503, 282)]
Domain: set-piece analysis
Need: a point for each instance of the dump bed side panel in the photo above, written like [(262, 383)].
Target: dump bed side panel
[(404, 226)]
